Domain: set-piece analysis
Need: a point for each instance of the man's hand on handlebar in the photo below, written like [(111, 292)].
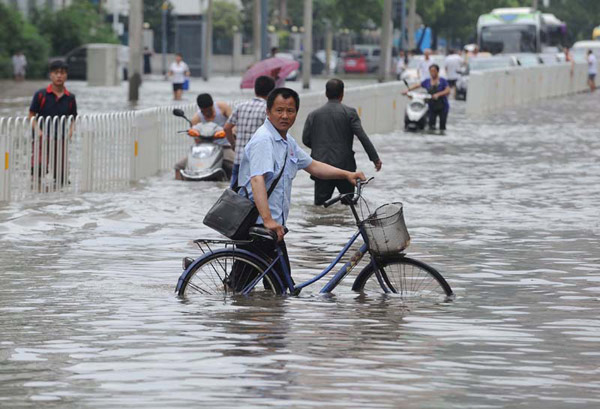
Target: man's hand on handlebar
[(275, 227), (354, 176)]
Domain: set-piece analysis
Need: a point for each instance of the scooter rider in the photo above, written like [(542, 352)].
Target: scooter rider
[(439, 90), (209, 111)]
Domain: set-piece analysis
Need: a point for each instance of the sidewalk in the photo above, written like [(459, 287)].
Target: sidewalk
[(154, 92)]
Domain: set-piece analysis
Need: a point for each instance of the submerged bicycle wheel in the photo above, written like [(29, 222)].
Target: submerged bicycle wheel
[(405, 276), (224, 273)]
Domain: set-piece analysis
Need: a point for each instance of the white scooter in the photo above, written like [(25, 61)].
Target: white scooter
[(415, 114), (205, 158)]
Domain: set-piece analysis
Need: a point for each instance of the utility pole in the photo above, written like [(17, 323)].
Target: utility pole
[(264, 38), (307, 54), (256, 30), (328, 47), (534, 4), (386, 41), (163, 35), (207, 51), (136, 18), (403, 25), (412, 22)]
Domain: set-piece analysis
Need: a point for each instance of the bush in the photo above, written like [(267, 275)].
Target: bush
[(18, 34)]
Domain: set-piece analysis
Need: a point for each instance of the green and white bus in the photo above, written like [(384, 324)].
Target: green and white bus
[(519, 30)]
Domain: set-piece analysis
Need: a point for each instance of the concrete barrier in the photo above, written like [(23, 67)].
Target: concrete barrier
[(102, 65), (493, 90)]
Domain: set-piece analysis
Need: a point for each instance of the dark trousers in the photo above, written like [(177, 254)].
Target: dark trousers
[(432, 118), (239, 278), (324, 189)]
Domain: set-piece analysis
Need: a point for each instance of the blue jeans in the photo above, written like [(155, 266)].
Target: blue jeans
[(234, 176)]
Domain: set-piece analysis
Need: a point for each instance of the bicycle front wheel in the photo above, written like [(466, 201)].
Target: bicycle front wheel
[(405, 276), (225, 273)]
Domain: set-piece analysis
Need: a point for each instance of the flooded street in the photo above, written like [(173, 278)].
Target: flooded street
[(507, 208)]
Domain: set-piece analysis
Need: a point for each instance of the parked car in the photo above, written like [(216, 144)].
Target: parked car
[(333, 62), (481, 64), (77, 61), (527, 60), (355, 62), (372, 54)]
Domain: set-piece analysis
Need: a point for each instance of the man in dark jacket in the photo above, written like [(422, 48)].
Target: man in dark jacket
[(329, 131)]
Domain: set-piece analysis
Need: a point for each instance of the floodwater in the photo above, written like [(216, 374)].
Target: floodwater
[(506, 207)]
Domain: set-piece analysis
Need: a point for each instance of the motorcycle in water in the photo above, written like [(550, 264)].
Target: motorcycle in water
[(205, 161), (416, 112)]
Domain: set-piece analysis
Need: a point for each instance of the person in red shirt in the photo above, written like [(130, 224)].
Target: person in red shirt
[(54, 101)]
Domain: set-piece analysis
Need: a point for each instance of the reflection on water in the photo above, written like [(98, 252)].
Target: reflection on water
[(506, 208)]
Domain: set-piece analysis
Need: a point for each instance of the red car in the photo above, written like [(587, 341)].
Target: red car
[(355, 63)]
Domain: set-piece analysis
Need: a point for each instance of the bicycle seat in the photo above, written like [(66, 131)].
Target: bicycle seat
[(262, 233)]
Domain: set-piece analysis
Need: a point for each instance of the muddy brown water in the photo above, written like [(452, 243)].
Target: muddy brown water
[(506, 207)]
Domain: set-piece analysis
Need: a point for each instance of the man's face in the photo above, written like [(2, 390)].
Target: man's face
[(207, 112), (283, 113), (58, 77)]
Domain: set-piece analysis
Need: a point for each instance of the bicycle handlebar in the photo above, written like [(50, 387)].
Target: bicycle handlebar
[(359, 186)]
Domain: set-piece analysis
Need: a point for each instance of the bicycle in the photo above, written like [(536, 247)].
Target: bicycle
[(233, 269)]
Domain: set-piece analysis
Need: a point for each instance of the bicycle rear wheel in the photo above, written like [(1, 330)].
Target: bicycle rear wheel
[(225, 273), (405, 276)]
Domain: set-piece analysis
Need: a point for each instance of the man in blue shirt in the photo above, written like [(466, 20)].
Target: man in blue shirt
[(439, 90), (264, 157)]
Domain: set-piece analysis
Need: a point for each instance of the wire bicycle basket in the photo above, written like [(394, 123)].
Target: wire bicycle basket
[(386, 231)]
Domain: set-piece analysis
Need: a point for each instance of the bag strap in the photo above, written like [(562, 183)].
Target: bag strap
[(276, 181)]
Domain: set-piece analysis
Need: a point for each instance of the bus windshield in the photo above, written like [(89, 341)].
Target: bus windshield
[(509, 39)]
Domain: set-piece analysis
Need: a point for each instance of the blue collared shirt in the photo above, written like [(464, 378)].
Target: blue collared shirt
[(264, 155)]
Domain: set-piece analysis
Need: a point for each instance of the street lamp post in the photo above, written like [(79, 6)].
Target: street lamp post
[(136, 18), (163, 35), (306, 56)]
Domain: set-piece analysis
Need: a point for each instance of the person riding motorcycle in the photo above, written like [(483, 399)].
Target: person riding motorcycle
[(211, 112)]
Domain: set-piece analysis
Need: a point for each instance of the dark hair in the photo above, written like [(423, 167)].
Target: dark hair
[(437, 67), (263, 85), (179, 54), (204, 101), (285, 93), (58, 65), (334, 88)]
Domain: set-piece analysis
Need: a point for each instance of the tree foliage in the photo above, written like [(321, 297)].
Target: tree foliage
[(17, 34), (72, 26)]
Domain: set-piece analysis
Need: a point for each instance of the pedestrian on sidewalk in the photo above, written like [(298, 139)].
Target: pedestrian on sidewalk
[(439, 90), (178, 71), (592, 70), (19, 63), (329, 131), (247, 117), (54, 101)]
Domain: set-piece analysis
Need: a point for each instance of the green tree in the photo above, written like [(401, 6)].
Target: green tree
[(18, 34), (75, 25)]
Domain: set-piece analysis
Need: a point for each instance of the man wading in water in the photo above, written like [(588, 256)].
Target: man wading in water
[(268, 151)]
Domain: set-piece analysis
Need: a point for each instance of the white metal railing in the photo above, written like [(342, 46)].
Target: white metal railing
[(103, 152), (99, 152)]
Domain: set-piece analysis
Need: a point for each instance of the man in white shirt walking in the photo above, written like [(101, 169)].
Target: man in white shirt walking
[(424, 65), (592, 70), (452, 63)]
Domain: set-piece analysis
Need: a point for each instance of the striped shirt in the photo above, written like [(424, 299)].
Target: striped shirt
[(247, 117)]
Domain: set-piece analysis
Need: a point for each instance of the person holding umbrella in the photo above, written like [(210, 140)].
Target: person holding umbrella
[(277, 68)]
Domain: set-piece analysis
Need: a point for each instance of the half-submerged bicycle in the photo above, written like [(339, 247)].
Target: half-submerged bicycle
[(233, 269)]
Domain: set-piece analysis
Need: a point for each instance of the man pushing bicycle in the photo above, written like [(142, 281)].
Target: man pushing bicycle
[(271, 151)]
